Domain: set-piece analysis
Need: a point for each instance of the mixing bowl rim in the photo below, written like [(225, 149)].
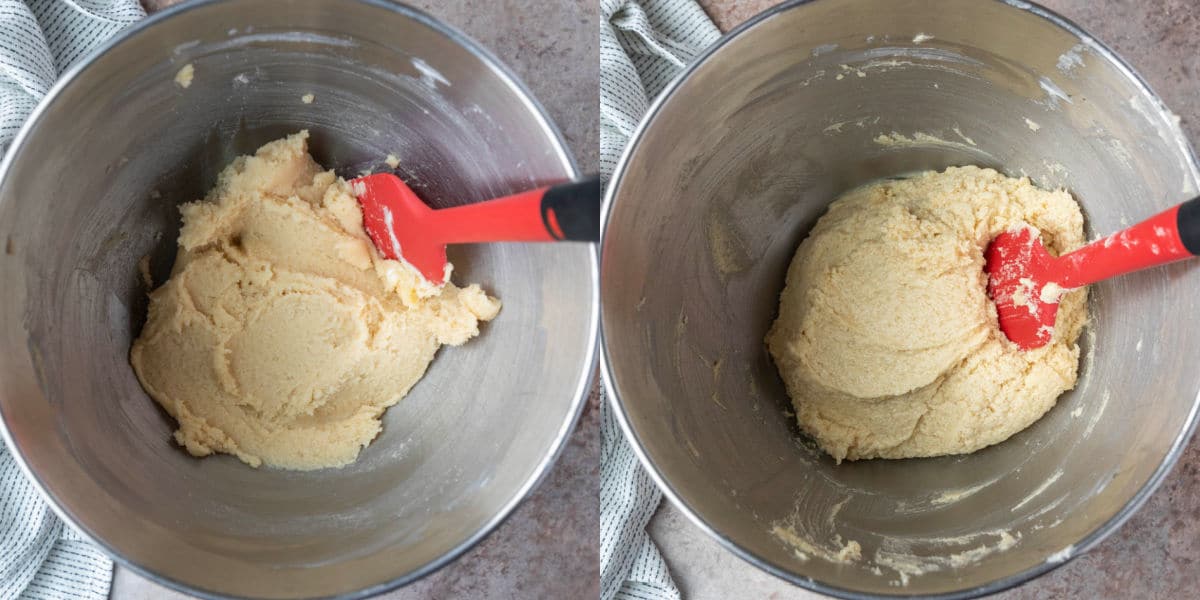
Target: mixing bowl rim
[(588, 365), (1088, 541)]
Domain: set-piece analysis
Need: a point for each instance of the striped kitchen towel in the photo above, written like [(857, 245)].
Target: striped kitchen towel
[(643, 45), (40, 558)]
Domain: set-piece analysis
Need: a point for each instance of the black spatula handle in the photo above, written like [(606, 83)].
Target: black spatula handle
[(571, 211)]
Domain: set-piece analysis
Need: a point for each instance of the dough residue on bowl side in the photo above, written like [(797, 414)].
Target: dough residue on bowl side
[(183, 77)]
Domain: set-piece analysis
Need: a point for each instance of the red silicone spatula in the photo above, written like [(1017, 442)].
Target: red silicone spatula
[(1026, 282), (404, 227)]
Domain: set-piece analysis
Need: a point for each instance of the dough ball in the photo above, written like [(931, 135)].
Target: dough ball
[(886, 339), (283, 335)]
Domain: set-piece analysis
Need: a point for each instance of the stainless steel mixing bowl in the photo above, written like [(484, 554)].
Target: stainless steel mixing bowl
[(726, 175), (92, 184)]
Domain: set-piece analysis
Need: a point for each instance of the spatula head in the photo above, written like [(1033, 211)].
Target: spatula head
[(400, 224), (1019, 270)]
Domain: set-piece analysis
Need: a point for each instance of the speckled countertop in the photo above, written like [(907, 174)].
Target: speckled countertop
[(547, 548), (1157, 553)]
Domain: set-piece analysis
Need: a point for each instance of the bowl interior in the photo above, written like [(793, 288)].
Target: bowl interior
[(94, 186), (738, 163)]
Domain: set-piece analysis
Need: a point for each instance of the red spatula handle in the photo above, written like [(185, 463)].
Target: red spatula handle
[(1171, 235), (566, 211)]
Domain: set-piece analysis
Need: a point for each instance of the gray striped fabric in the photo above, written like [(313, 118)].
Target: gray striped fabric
[(40, 558), (40, 39), (643, 45)]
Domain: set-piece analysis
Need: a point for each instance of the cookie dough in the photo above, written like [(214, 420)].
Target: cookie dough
[(183, 78), (886, 338), (282, 334)]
